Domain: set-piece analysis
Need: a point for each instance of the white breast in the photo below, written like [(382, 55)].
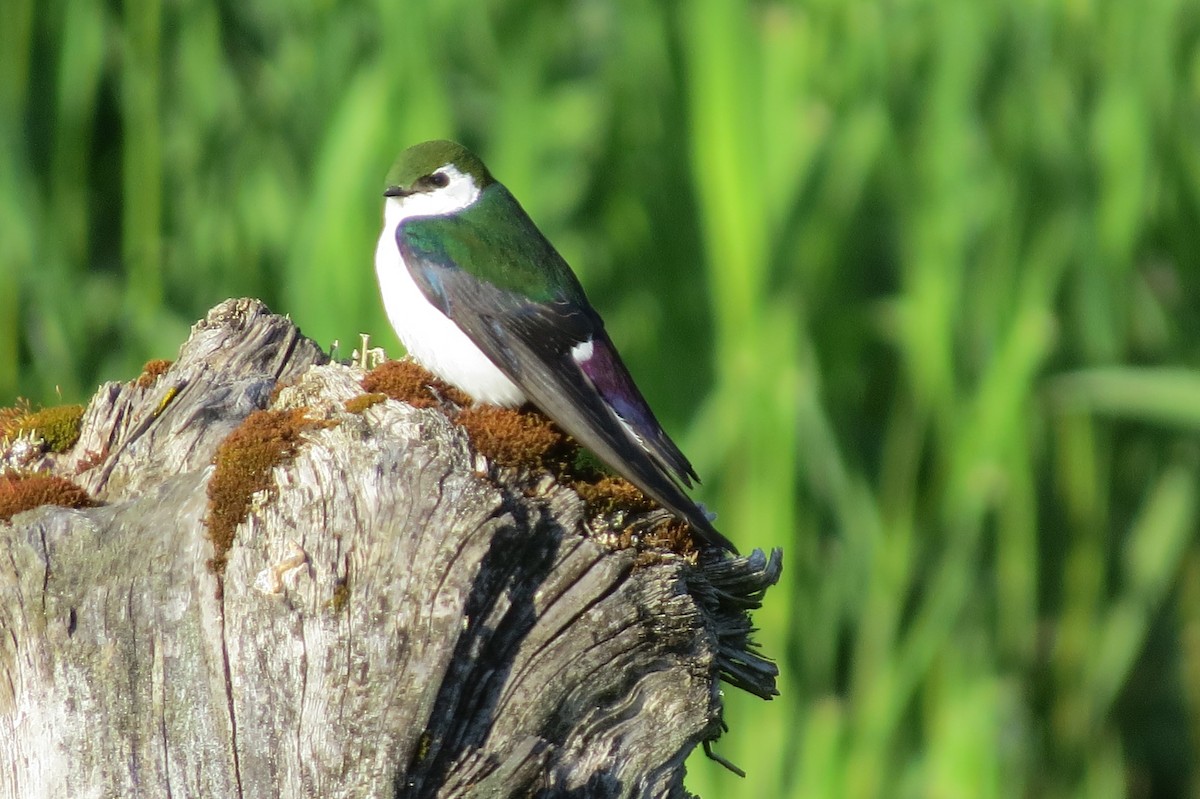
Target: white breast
[(428, 334)]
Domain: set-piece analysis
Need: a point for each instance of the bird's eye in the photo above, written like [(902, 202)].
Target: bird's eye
[(439, 180)]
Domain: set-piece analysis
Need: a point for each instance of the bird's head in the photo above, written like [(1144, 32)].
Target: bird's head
[(436, 178)]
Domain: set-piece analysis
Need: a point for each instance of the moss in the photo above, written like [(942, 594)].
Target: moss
[(525, 439), (521, 438), (674, 535), (610, 494), (91, 459), (607, 495), (22, 492), (151, 372), (341, 595), (168, 398), (587, 466), (57, 427), (278, 388), (408, 381), (10, 416), (244, 462), (421, 750), (363, 401)]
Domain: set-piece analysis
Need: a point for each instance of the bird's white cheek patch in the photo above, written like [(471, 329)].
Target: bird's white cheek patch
[(459, 193)]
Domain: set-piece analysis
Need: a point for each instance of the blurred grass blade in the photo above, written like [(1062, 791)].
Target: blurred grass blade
[(1153, 557), (1162, 395)]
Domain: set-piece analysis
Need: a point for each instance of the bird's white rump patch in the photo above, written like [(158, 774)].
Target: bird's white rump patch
[(582, 352)]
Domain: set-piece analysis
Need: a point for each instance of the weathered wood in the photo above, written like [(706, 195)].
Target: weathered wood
[(397, 618)]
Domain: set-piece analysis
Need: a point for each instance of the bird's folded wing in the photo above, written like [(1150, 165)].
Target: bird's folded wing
[(535, 345)]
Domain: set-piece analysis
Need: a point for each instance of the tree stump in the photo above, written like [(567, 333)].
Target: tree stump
[(391, 615)]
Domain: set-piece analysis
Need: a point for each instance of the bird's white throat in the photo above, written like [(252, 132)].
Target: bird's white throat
[(428, 334)]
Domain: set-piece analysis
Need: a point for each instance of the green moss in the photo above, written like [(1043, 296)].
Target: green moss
[(587, 466), (341, 595), (610, 494), (363, 401), (421, 750), (57, 427)]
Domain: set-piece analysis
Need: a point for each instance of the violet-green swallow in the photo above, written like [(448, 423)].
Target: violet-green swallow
[(482, 299)]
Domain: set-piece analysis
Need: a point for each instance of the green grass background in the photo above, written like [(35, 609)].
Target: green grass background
[(915, 283)]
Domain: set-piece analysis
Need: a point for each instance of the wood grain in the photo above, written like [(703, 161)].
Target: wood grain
[(397, 618)]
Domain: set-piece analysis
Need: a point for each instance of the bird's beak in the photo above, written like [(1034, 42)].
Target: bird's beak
[(396, 191)]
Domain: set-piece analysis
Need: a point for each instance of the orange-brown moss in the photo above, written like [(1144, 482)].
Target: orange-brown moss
[(671, 534), (520, 438), (22, 492), (363, 401), (610, 494), (91, 459), (244, 461), (526, 439), (408, 381), (57, 427), (10, 416), (277, 389), (152, 371)]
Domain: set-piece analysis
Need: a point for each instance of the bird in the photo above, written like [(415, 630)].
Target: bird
[(482, 299)]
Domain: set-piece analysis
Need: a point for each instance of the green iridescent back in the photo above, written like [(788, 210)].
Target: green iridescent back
[(496, 241)]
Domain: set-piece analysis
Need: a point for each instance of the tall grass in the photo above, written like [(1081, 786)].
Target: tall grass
[(915, 283)]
